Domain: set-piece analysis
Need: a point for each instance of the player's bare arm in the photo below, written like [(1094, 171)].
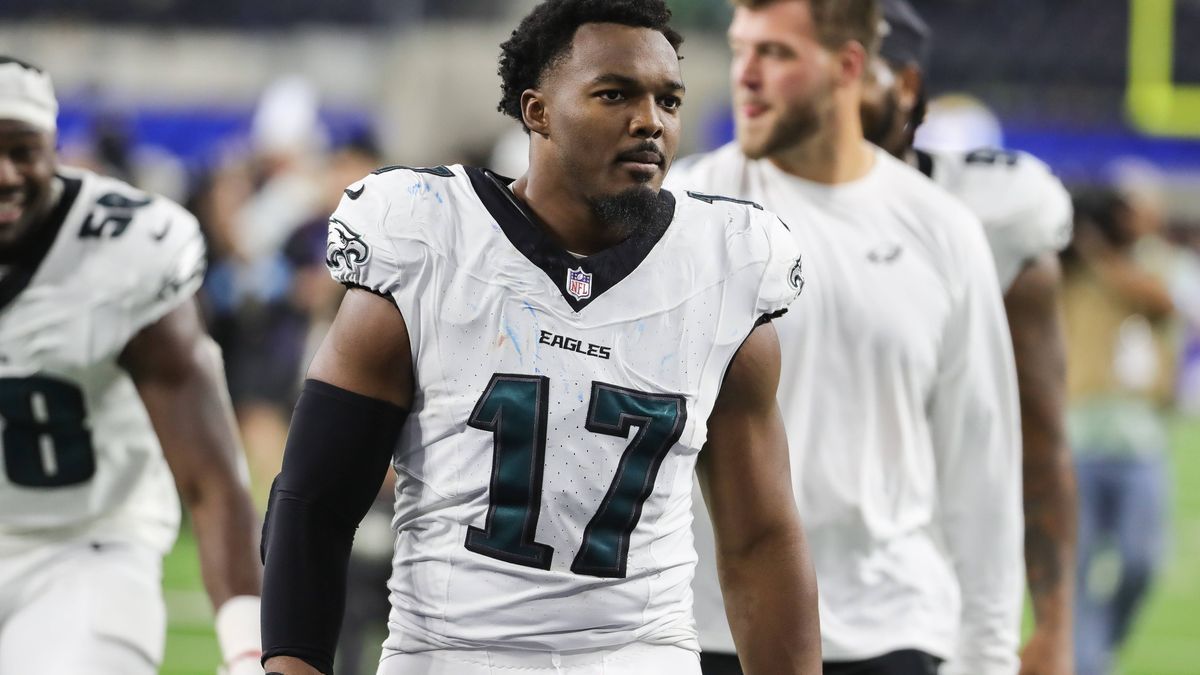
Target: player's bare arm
[(178, 372), (766, 576), (1049, 483), (366, 354)]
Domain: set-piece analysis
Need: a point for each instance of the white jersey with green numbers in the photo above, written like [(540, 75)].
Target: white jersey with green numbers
[(1025, 210), (79, 454), (545, 470)]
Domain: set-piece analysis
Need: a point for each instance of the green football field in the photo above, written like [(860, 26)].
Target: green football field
[(1166, 640)]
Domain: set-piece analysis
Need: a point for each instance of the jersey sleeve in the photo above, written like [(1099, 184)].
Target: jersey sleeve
[(975, 432), (175, 260), (783, 270), (1024, 207), (357, 252), (380, 239)]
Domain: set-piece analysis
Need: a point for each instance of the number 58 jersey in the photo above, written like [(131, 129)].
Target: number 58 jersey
[(80, 457), (545, 470)]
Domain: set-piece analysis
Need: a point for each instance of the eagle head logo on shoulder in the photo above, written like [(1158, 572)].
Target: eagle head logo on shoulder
[(345, 252), (796, 276)]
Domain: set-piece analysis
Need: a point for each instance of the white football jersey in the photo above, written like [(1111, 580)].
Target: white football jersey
[(898, 390), (545, 470), (80, 455), (1025, 209)]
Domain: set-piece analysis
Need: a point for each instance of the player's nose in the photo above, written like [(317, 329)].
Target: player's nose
[(647, 121), (745, 71)]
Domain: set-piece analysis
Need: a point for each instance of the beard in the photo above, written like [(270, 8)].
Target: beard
[(634, 211), (797, 122), (793, 126), (880, 121)]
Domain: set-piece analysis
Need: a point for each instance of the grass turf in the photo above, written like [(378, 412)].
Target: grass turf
[(1165, 641)]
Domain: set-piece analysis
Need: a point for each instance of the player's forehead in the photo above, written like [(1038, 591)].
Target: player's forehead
[(600, 50), (14, 131), (788, 22)]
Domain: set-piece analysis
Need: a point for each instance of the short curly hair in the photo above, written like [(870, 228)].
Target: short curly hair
[(544, 37)]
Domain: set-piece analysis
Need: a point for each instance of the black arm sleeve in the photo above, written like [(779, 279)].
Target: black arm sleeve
[(336, 457)]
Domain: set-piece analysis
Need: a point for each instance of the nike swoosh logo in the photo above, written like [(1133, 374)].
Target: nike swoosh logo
[(356, 193), (162, 232), (885, 254)]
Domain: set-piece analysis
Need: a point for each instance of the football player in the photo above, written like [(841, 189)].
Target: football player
[(1026, 213), (544, 360), (109, 387), (897, 383)]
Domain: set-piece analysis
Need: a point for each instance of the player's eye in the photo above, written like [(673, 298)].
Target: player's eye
[(21, 154), (775, 51), (670, 102), (611, 95)]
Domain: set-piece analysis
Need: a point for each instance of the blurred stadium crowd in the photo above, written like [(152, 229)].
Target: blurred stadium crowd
[(262, 172)]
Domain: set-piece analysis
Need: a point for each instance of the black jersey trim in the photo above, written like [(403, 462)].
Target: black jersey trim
[(924, 163), (386, 296), (768, 318), (29, 254), (607, 268)]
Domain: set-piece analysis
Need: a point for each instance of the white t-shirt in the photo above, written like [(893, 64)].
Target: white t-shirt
[(543, 491), (899, 394), (1025, 210), (80, 455)]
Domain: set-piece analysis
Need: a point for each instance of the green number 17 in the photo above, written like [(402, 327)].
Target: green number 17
[(514, 408)]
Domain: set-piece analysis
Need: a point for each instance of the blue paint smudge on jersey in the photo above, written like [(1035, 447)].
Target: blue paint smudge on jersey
[(512, 336), (662, 363)]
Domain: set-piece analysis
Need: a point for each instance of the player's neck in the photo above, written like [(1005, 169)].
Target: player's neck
[(566, 217), (835, 154)]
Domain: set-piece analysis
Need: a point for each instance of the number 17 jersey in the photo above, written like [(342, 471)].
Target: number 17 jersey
[(545, 471)]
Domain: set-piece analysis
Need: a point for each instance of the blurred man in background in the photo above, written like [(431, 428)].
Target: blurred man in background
[(1026, 213), (897, 383), (267, 281), (105, 372), (1118, 320), (530, 325)]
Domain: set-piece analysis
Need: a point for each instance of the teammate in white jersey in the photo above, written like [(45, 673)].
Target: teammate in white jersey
[(108, 386), (1026, 213), (565, 347), (897, 383)]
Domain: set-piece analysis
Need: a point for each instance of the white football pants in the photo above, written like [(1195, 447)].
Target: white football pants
[(81, 607), (633, 659)]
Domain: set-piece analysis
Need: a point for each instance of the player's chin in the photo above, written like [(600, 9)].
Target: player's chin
[(631, 174), (12, 224), (752, 136), (753, 146)]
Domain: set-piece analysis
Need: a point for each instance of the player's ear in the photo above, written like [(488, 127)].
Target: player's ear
[(851, 63), (533, 111)]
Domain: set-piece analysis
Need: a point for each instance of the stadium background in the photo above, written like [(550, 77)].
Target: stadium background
[(252, 112)]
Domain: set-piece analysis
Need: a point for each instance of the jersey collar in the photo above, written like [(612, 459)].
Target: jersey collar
[(29, 254), (578, 280)]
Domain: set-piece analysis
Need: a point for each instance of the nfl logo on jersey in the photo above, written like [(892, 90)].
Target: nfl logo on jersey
[(579, 284)]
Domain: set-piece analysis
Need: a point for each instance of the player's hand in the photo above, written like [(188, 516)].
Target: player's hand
[(1047, 654)]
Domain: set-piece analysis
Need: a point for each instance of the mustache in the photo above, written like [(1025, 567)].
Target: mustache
[(641, 152)]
